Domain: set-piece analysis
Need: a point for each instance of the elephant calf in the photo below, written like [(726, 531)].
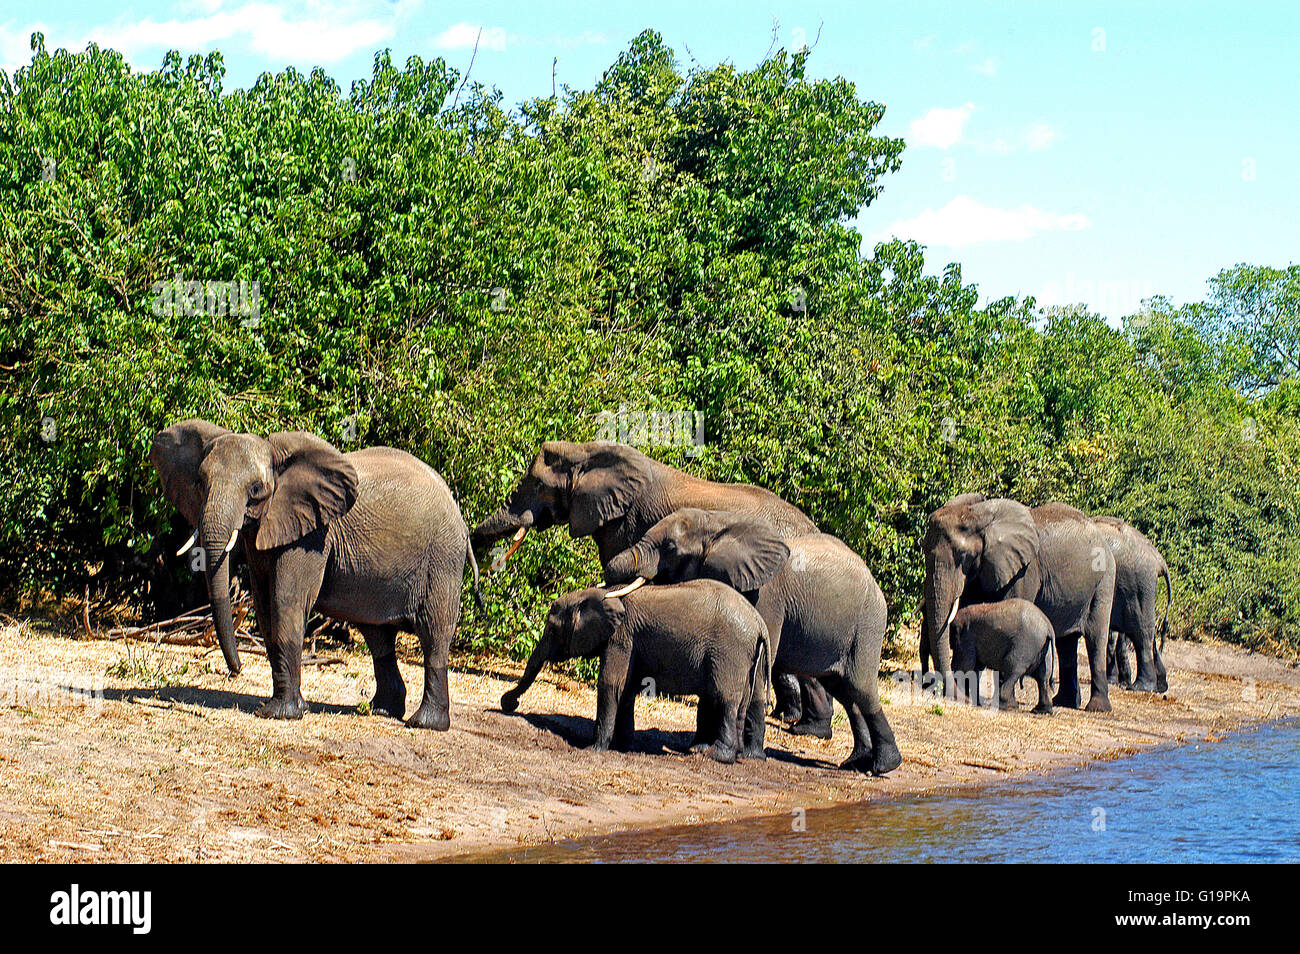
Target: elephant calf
[(1013, 637), (698, 638)]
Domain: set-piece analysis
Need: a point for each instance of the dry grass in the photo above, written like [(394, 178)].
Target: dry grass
[(170, 765)]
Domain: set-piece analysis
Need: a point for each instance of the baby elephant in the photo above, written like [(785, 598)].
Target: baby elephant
[(1014, 638), (699, 638)]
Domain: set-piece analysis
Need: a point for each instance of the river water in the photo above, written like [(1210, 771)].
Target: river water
[(1236, 800)]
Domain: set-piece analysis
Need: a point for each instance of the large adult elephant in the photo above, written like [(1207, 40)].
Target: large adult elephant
[(372, 537), (614, 493), (1138, 569), (1053, 555)]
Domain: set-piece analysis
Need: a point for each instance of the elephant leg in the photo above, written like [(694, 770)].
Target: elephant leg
[(1146, 669), (754, 729), (1008, 676), (390, 691), (435, 624), (1094, 637), (818, 708), (1158, 662), (788, 705), (707, 717), (1043, 678), (860, 758), (1112, 658), (297, 574), (1123, 666), (1067, 650), (726, 747), (625, 722)]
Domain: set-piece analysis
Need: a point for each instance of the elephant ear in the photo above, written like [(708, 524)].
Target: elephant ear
[(745, 555), (176, 454), (1010, 541), (604, 486), (314, 485)]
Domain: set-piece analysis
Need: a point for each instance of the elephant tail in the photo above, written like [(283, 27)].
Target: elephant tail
[(473, 565), (758, 673), (1169, 599)]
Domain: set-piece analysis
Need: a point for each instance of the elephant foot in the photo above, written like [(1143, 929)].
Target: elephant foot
[(784, 713), (276, 708), (1066, 700), (721, 753), (859, 760), (697, 747), (1043, 708), (887, 758), (1142, 685), (1162, 684), (426, 717), (1097, 704), (391, 707), (599, 746), (509, 702), (1011, 706), (818, 730), (754, 753)]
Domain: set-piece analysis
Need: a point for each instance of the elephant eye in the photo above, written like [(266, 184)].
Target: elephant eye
[(256, 491)]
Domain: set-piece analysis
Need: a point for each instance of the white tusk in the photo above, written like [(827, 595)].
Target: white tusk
[(953, 614), (188, 544), (234, 535), (636, 584), (500, 561)]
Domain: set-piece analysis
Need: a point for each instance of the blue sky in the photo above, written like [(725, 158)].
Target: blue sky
[(1095, 153)]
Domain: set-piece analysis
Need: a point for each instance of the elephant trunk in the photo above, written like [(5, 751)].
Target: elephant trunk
[(218, 526), (495, 527), (640, 560), (540, 656), (943, 587)]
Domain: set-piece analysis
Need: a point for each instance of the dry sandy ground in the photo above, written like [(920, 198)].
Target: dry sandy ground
[(183, 772)]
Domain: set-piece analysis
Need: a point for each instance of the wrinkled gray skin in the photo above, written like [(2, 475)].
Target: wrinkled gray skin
[(1053, 555), (1138, 569), (614, 494), (824, 612), (698, 638), (1012, 637), (373, 538)]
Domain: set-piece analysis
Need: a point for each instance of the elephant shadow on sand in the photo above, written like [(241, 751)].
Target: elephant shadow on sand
[(212, 699), (580, 731)]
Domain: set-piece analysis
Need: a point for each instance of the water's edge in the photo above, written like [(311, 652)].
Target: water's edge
[(759, 825)]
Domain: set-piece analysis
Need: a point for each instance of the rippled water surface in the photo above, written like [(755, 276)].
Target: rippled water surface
[(1237, 800)]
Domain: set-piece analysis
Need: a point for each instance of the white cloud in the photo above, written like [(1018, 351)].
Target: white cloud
[(301, 31), (939, 128), (463, 36), (964, 221), (1040, 136), (986, 67)]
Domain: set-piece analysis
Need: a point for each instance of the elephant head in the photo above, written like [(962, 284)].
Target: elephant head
[(277, 489), (578, 624), (586, 486), (743, 552), (984, 543)]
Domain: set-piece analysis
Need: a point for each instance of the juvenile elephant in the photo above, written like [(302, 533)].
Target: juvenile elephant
[(824, 612), (372, 537), (614, 493), (1012, 637), (1138, 569), (698, 638), (1053, 555)]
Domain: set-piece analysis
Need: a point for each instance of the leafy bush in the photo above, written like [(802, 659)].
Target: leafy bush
[(445, 275)]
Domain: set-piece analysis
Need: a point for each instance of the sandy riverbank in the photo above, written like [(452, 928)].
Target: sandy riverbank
[(170, 765)]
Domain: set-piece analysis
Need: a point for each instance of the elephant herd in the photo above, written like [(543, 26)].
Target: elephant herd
[(710, 589)]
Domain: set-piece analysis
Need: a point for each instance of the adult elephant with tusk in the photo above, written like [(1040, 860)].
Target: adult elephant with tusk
[(1053, 555), (372, 537), (614, 493)]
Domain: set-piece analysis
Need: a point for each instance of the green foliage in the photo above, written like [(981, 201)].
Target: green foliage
[(445, 275)]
